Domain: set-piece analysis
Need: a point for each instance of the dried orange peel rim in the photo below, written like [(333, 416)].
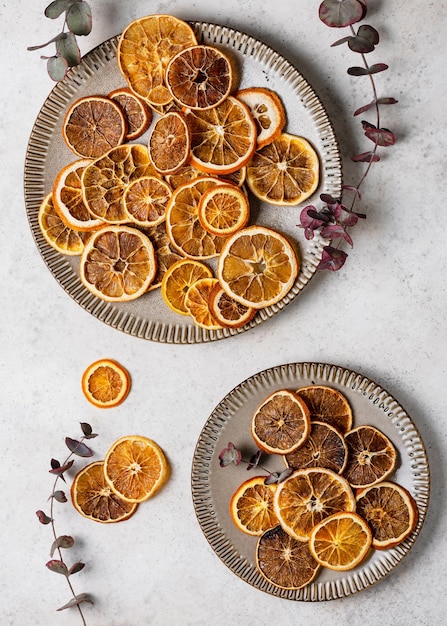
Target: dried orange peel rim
[(116, 368)]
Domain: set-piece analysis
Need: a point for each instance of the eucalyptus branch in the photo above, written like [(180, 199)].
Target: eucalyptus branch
[(336, 216), (78, 448), (77, 21)]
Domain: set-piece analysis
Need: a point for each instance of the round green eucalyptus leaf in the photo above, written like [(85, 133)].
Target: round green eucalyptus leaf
[(57, 68), (67, 48), (56, 8), (79, 18)]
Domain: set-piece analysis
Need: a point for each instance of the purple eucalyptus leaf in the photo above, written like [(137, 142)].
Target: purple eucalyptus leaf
[(364, 108), (254, 461), (328, 199), (285, 474), (340, 13), (271, 478), (332, 259), (79, 599), (369, 33), (64, 541), (365, 157), (230, 455), (348, 219), (358, 71), (59, 496), (361, 45), (387, 101), (57, 566), (334, 231), (74, 569), (309, 234), (43, 518), (77, 447), (341, 41), (380, 136), (61, 468)]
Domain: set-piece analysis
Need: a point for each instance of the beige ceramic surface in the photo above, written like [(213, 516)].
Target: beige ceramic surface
[(213, 486), (258, 65)]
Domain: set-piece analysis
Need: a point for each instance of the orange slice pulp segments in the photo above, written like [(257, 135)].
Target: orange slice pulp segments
[(227, 311), (56, 233), (251, 506), (223, 210), (105, 383), (197, 303), (145, 200), (178, 279), (169, 143)]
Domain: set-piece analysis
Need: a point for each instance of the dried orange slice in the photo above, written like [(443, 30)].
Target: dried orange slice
[(164, 252), (223, 138), (237, 177), (144, 50), (371, 456), (308, 496), (281, 423), (251, 506), (197, 303), (257, 266), (169, 143), (185, 174), (105, 180), (118, 263), (135, 468), (93, 498), (68, 200), (178, 279), (137, 113), (56, 233), (223, 210), (145, 200), (284, 561), (105, 383), (284, 172), (390, 511), (227, 311), (327, 405), (267, 111), (324, 447), (340, 542), (200, 77), (93, 125), (182, 221)]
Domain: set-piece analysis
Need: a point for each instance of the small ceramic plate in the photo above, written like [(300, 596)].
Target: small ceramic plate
[(213, 486), (148, 317)]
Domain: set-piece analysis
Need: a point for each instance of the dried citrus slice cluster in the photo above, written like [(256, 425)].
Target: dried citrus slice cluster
[(108, 491), (131, 207), (335, 503)]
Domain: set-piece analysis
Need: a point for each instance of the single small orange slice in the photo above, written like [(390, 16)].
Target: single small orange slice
[(199, 77), (257, 266), (284, 172), (327, 405), (137, 113), (57, 234), (227, 311), (251, 506), (135, 468), (197, 303), (267, 111), (105, 383), (371, 456), (145, 200), (340, 542), (223, 139), (223, 210), (118, 263), (92, 497), (169, 143), (281, 423), (144, 51), (390, 511), (324, 447), (178, 279), (285, 561), (68, 200), (93, 125), (308, 496)]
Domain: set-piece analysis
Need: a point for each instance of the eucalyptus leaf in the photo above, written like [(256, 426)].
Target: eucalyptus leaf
[(57, 68), (59, 496), (57, 566), (79, 599), (43, 517), (74, 569), (77, 447), (60, 469), (56, 8), (79, 18), (64, 541), (67, 48), (340, 13)]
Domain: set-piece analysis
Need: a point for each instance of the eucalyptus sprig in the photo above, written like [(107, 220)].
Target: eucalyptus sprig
[(77, 21), (60, 542), (233, 456), (336, 216)]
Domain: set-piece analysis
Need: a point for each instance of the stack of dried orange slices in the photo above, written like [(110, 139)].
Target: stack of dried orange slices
[(337, 501), (175, 208)]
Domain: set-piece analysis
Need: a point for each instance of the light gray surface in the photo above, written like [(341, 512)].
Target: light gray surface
[(383, 315)]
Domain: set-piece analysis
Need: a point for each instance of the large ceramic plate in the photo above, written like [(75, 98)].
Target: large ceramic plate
[(213, 486), (149, 317)]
